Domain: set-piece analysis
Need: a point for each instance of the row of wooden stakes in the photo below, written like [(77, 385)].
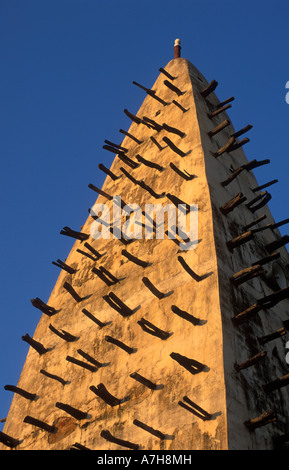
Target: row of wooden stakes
[(256, 270), (115, 303), (192, 365)]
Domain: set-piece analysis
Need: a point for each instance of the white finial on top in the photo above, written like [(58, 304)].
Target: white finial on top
[(177, 48)]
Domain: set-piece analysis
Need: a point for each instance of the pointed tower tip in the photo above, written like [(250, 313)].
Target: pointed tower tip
[(177, 49)]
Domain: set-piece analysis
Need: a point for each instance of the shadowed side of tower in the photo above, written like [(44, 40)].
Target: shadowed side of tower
[(138, 348), (253, 280)]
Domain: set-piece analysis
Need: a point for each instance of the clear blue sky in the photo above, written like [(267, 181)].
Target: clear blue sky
[(67, 68)]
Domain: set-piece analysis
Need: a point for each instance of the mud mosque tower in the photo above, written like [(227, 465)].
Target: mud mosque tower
[(163, 342)]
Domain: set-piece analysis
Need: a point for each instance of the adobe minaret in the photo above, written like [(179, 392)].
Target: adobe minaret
[(148, 343)]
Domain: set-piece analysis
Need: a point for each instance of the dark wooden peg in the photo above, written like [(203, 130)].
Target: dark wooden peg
[(109, 275), (77, 446), (68, 287), (279, 224), (117, 304), (219, 111), (173, 130), (120, 344), (63, 334), (60, 264), (82, 364), (102, 392), (157, 143), (77, 414), (39, 424), (34, 344), (240, 240), (53, 377), (74, 234), (108, 172), (231, 178), (147, 188), (242, 131), (276, 384), (154, 290), (223, 103), (270, 337), (232, 145), (185, 315), (119, 147), (109, 437), (193, 366), (255, 222), (131, 136), (184, 174), (134, 259), (195, 409), (152, 93), (131, 116), (174, 88), (43, 307), (20, 391), (250, 362), (262, 420), (146, 162), (94, 319), (147, 383), (108, 278), (141, 86), (189, 270), (246, 274), (178, 241), (93, 251), (184, 110), (266, 185), (264, 197), (226, 148), (151, 430), (209, 89), (246, 314), (261, 229), (236, 145), (174, 147), (255, 164), (179, 203), (88, 255), (233, 203), (100, 191), (92, 360), (128, 161), (219, 128), (9, 441), (167, 74), (152, 124), (148, 327), (128, 175), (114, 150)]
